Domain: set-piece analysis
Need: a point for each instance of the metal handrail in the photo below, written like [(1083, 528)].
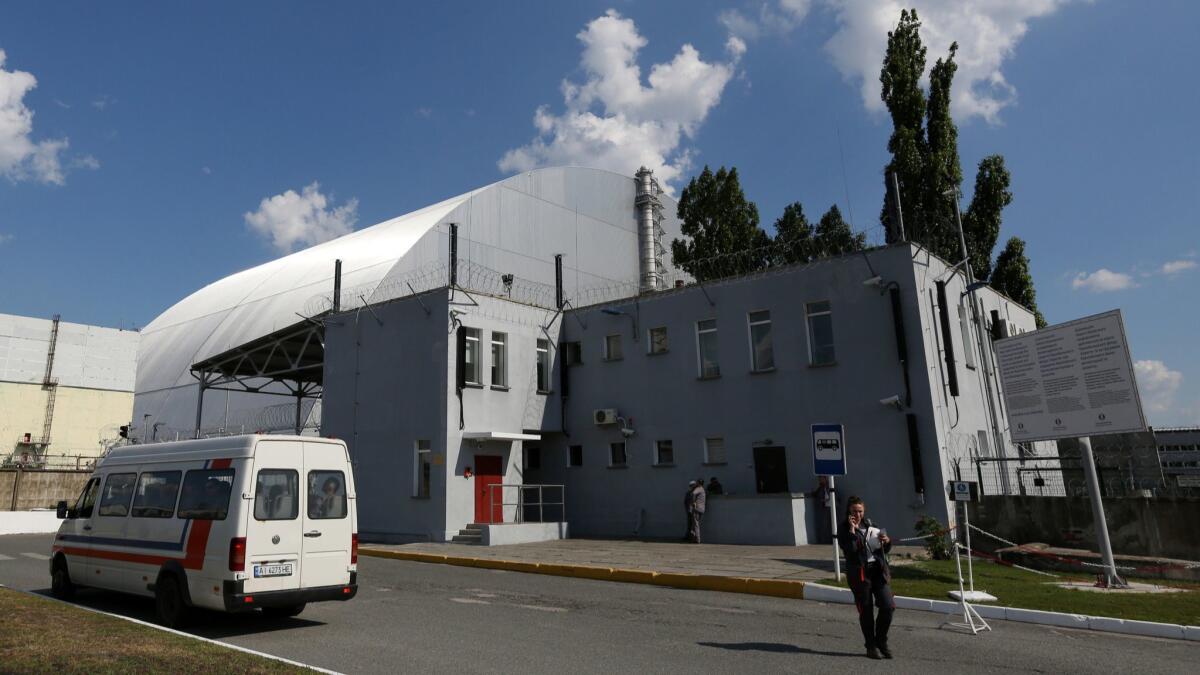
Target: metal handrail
[(521, 503)]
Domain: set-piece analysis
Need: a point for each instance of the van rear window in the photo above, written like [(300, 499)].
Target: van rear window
[(277, 494), (206, 494), (114, 498), (326, 494), (155, 494)]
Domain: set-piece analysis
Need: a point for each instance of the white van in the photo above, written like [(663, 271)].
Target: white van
[(231, 524)]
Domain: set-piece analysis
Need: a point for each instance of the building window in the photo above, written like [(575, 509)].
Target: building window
[(762, 349), (575, 455), (543, 366), (820, 333), (572, 353), (706, 348), (423, 468), (965, 328), (533, 457), (714, 450), (499, 360), (616, 454), (472, 373), (664, 453), (612, 348), (657, 344)]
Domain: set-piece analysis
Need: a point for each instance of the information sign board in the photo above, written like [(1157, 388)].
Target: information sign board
[(1070, 380), (829, 450)]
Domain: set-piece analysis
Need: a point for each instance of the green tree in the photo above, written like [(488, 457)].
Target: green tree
[(943, 173), (794, 236), (834, 236), (903, 67), (1012, 277), (724, 238), (981, 222)]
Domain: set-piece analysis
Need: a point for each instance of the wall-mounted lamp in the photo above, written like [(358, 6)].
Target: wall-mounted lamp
[(467, 472)]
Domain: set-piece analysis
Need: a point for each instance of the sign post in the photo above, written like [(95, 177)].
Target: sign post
[(829, 459), (1073, 380)]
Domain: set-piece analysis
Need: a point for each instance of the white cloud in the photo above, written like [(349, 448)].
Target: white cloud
[(987, 32), (614, 121), (1102, 281), (206, 171), (424, 112), (21, 158), (85, 162), (1177, 266), (5, 238), (290, 219), (775, 17), (1157, 385), (103, 101)]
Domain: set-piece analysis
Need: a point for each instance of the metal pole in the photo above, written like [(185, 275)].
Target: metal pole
[(1093, 481), (200, 403), (967, 523), (299, 411), (837, 562)]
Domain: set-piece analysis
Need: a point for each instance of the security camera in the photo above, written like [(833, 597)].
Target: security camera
[(893, 401), (627, 432), (875, 281)]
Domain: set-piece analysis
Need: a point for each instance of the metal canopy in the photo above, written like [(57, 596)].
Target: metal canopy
[(292, 357)]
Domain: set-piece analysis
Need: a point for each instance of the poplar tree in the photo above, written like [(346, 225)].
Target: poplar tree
[(834, 236), (981, 222), (1012, 277), (794, 238)]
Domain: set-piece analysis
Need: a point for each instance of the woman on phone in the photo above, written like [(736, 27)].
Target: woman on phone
[(866, 548)]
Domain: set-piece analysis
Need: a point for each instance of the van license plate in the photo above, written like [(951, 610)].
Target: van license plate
[(279, 570)]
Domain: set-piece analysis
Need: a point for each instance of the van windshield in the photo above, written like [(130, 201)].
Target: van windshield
[(206, 494)]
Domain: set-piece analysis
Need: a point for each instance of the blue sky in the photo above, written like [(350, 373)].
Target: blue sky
[(128, 173)]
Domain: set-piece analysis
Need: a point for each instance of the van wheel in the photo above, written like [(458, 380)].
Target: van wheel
[(284, 612), (60, 581), (168, 602)]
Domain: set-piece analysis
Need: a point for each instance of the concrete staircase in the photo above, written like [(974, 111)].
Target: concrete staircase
[(471, 534)]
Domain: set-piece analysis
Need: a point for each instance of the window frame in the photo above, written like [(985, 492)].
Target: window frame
[(700, 352), (498, 362), (809, 315), (570, 456), (658, 448), (624, 454), (609, 341), (572, 351), (178, 485), (419, 464), (296, 505), (100, 502), (542, 370), (708, 459), (755, 367), (650, 350), (472, 335)]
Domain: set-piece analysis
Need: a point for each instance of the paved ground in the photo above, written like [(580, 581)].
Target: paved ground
[(806, 563), (440, 618)]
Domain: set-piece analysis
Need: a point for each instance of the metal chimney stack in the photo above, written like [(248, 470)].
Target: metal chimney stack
[(648, 257)]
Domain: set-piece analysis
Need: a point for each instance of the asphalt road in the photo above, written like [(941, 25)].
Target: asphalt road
[(418, 617)]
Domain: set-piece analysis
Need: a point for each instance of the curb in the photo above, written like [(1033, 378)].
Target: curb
[(779, 588), (1103, 624)]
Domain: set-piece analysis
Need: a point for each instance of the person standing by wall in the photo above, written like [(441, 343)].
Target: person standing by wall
[(687, 511), (698, 504), (865, 547)]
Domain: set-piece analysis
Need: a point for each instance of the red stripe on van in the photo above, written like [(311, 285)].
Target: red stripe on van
[(117, 555), (197, 542)]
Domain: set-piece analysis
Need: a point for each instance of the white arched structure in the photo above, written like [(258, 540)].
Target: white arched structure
[(515, 226)]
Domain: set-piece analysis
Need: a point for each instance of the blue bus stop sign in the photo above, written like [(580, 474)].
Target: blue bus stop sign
[(829, 450)]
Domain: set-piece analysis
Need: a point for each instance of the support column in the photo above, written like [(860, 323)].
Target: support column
[(1093, 482), (199, 402), (299, 411)]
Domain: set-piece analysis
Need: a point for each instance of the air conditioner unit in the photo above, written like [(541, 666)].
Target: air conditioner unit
[(605, 416)]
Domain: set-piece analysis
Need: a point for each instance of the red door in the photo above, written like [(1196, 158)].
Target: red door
[(488, 472)]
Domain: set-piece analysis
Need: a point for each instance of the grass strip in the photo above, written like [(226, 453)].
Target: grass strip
[(39, 635), (1017, 588)]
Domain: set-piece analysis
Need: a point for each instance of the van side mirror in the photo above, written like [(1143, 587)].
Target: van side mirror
[(61, 510)]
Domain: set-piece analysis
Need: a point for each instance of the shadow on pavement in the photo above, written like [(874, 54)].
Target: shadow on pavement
[(776, 647), (202, 622), (823, 564)]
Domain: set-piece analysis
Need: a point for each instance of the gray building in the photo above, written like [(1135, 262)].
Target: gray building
[(536, 333), (1179, 455)]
